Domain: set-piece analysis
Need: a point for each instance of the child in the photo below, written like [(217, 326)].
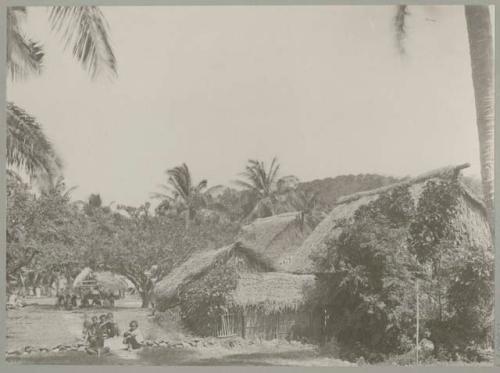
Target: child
[(133, 337), (96, 337), (111, 328)]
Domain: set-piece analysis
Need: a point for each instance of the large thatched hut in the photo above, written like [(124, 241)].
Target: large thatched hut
[(471, 218), (277, 238)]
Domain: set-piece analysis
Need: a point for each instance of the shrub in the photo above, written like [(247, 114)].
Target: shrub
[(202, 302)]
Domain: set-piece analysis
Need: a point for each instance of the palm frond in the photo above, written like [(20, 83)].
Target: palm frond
[(201, 185), (24, 56), (85, 30), (180, 181), (400, 26), (273, 171), (27, 146)]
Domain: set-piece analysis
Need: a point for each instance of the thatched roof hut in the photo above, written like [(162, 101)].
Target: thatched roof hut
[(471, 217), (277, 237), (108, 281), (166, 291), (273, 291)]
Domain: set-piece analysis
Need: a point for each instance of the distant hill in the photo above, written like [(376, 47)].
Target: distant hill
[(330, 189)]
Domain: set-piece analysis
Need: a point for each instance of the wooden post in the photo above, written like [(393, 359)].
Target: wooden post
[(243, 326), (277, 325), (418, 318)]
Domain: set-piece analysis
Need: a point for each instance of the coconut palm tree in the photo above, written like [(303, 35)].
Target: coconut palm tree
[(306, 202), (480, 35), (265, 185), (181, 193), (84, 30)]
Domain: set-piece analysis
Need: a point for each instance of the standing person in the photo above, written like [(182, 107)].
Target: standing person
[(67, 302), (133, 337), (60, 299)]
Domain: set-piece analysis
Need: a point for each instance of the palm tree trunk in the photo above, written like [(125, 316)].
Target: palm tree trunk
[(188, 218), (481, 53)]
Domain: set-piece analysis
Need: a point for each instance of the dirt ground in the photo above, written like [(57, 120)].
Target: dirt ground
[(39, 324)]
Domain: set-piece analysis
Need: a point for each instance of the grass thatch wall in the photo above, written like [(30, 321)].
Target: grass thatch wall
[(276, 237), (471, 219), (273, 291)]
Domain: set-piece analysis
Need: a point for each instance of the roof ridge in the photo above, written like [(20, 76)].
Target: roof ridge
[(443, 172)]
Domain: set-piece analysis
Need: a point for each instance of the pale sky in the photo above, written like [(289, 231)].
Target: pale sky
[(321, 87)]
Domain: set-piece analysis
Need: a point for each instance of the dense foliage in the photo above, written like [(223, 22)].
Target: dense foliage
[(49, 236), (370, 294), (367, 294), (205, 300)]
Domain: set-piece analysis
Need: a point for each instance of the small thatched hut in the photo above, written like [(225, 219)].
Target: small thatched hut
[(277, 237), (258, 301), (105, 280), (471, 218)]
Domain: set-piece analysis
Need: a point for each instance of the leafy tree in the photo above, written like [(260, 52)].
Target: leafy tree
[(145, 247), (432, 237), (44, 233), (366, 296)]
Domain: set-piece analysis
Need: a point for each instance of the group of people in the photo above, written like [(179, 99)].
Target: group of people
[(89, 298), (103, 327), (66, 301)]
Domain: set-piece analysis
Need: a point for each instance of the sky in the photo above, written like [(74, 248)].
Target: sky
[(323, 88)]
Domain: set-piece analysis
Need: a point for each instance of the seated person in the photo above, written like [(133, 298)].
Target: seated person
[(133, 337), (110, 327), (87, 331), (85, 301)]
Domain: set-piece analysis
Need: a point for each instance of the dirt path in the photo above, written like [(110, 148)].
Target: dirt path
[(41, 324)]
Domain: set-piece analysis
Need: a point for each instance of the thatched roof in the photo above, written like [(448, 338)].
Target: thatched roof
[(84, 274), (277, 237), (199, 264), (471, 217), (273, 291), (109, 281)]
